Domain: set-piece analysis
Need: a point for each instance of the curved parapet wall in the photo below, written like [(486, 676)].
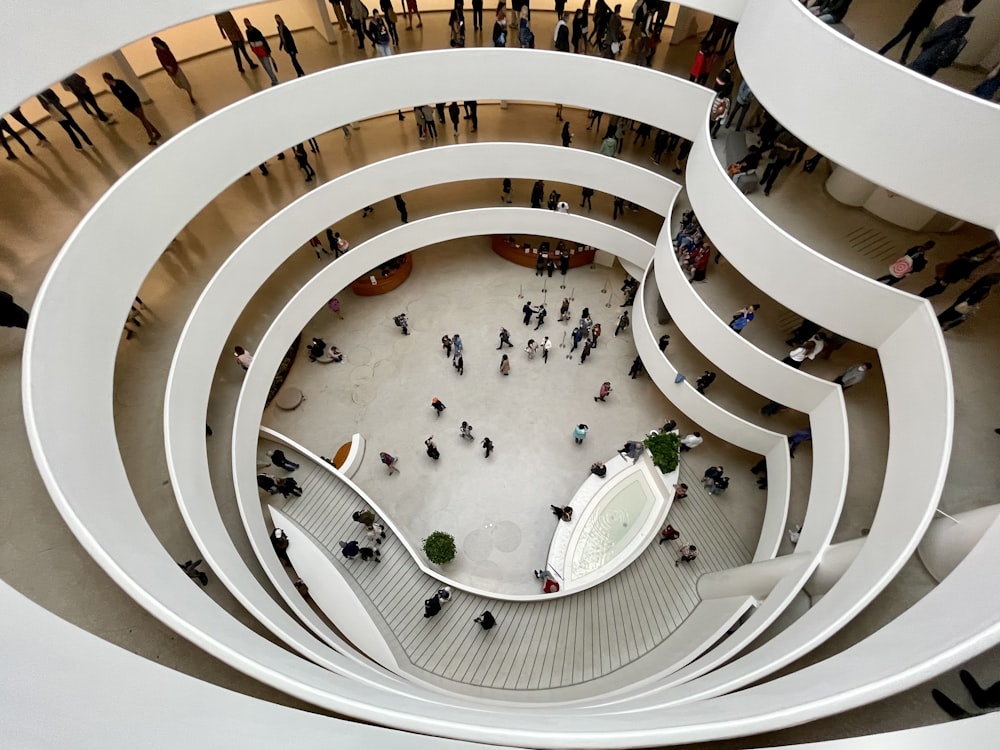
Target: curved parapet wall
[(880, 120), (904, 652)]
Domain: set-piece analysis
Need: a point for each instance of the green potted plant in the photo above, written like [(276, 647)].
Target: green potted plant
[(665, 448), (439, 547)]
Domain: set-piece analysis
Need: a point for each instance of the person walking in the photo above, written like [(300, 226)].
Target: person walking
[(231, 30), (438, 406), (505, 191), (486, 620), (577, 337), (504, 365), (546, 348), (389, 461), (669, 534), (567, 137), (338, 244), (487, 447), (504, 338), (402, 323), (605, 391), (636, 368), (797, 438), (432, 606), (580, 433), (706, 379), (413, 10), (401, 207), (130, 101), (378, 32), (664, 342), (302, 159), (260, 47), (595, 334), (459, 349), (446, 344), (586, 351), (243, 357), (913, 261), (428, 112), (173, 69), (286, 42), (919, 19), (623, 322), (51, 103), (690, 441), (76, 84), (853, 376), (465, 430), (359, 12), (564, 307), (390, 18)]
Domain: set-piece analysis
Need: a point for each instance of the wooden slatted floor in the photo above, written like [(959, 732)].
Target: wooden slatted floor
[(536, 645)]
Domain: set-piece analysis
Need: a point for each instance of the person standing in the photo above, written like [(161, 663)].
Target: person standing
[(595, 334), (941, 47), (636, 368), (456, 22), (687, 553), (446, 345), (432, 606), (130, 101), (706, 379), (743, 318), (912, 262), (797, 438), (390, 18), (919, 19), (564, 308), (586, 351), (378, 32), (453, 114), (279, 540), (77, 85), (243, 358), (744, 98), (5, 126), (528, 311), (577, 337), (500, 26), (50, 103), (302, 159), (477, 15), (664, 342), (567, 137), (542, 312), (487, 447), (546, 348), (231, 31), (401, 207), (605, 391), (260, 47), (504, 365), (413, 10), (537, 195), (853, 376), (286, 42), (173, 69), (459, 351), (359, 12), (580, 433), (623, 322), (432, 449)]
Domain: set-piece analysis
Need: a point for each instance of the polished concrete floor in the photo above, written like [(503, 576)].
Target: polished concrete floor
[(45, 197)]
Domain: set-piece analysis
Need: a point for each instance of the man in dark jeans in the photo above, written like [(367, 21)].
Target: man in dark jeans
[(77, 84)]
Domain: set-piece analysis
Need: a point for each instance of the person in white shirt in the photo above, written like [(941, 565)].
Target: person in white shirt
[(243, 357), (691, 441)]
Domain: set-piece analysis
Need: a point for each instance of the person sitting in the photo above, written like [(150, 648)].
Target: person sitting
[(687, 553), (334, 354), (316, 349), (747, 164), (668, 534), (598, 469), (563, 513), (680, 491)]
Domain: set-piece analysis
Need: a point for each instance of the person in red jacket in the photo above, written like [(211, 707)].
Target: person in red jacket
[(701, 65), (172, 67)]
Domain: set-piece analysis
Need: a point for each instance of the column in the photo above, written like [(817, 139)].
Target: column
[(128, 75)]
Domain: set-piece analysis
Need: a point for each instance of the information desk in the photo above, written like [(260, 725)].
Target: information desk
[(383, 282), (614, 519), (518, 251)]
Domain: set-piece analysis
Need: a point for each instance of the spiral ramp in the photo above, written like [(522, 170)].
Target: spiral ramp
[(722, 692)]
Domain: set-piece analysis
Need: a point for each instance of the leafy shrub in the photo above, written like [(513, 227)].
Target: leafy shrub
[(439, 547), (665, 448)]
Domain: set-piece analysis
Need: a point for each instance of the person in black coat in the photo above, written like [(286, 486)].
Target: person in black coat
[(919, 20), (537, 194), (486, 620), (941, 47), (131, 102), (286, 42)]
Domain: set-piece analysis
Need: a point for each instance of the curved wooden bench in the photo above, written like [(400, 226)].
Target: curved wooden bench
[(375, 283)]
